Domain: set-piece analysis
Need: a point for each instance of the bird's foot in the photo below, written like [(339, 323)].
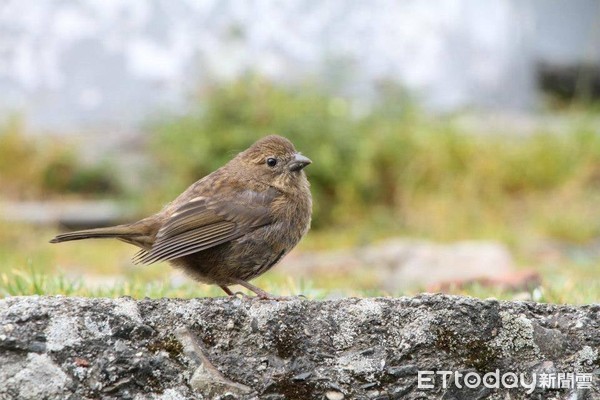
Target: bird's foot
[(265, 296), (260, 294)]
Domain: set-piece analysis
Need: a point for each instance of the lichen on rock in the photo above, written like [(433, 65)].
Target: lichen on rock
[(233, 348)]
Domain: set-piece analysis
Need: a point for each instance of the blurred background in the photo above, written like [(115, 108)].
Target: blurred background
[(455, 145)]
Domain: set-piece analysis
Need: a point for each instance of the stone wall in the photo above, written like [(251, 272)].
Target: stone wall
[(240, 348)]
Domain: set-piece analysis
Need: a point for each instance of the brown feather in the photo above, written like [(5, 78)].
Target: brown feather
[(231, 225)]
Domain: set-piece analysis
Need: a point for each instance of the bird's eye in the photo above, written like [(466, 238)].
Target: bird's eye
[(271, 162)]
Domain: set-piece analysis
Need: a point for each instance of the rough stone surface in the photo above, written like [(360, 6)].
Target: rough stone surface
[(241, 348)]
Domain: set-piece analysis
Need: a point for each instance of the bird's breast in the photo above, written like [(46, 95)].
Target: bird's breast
[(293, 211)]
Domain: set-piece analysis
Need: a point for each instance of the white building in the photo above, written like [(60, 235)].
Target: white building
[(80, 63)]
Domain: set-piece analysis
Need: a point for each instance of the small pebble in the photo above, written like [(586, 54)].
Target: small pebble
[(302, 377), (332, 395)]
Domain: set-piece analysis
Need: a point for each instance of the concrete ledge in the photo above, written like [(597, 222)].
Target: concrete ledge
[(229, 348)]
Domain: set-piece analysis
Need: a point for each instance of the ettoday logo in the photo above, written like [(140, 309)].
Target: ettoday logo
[(507, 380)]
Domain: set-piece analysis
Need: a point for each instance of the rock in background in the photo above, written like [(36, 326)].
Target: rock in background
[(398, 264), (230, 348)]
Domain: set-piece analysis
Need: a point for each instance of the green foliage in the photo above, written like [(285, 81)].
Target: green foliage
[(425, 176), (64, 174), (34, 169), (232, 117), (357, 161), (18, 160)]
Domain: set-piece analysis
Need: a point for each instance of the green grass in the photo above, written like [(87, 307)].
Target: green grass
[(560, 288), (102, 268), (32, 282)]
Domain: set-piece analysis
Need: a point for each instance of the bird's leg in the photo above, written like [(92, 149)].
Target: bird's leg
[(259, 292), (226, 290), (230, 293)]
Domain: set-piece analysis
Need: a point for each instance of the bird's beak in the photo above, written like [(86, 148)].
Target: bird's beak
[(298, 162)]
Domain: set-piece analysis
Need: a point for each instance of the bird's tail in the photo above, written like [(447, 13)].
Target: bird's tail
[(119, 231)]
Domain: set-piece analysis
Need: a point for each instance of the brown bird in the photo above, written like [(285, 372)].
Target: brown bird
[(230, 226)]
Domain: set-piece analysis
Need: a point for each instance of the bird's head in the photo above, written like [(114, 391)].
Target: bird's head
[(274, 161)]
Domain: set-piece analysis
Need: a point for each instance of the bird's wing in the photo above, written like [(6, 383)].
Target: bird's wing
[(205, 222)]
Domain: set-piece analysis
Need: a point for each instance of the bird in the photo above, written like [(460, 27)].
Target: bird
[(230, 226)]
